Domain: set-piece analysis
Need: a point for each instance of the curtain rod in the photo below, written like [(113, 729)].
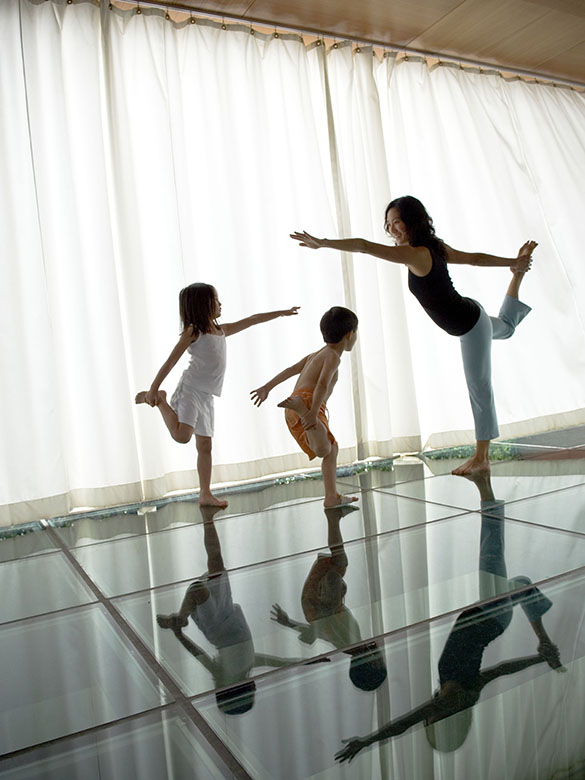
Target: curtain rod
[(249, 21)]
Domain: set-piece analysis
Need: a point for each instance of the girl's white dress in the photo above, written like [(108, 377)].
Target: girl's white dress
[(201, 380)]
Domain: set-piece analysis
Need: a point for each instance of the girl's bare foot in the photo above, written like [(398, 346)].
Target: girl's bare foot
[(208, 499), (295, 403), (471, 466), (145, 397), (338, 500)]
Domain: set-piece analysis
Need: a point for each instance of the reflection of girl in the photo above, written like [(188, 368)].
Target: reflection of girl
[(208, 602), (447, 715), (426, 257), (328, 618)]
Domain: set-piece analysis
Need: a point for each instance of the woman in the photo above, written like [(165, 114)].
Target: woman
[(426, 257)]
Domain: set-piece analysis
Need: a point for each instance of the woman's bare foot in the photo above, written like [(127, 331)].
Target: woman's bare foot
[(295, 403), (338, 500), (472, 466), (172, 621), (208, 499)]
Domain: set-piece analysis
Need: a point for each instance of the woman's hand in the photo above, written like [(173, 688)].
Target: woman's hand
[(524, 258), (305, 239), (290, 312)]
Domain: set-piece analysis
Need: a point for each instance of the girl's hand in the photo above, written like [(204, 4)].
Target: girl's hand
[(352, 748), (291, 311), (259, 395), (524, 258), (305, 239)]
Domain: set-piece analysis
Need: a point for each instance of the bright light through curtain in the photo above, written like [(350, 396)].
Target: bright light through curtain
[(140, 155)]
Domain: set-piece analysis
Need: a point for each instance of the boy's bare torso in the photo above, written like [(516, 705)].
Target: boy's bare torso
[(323, 362)]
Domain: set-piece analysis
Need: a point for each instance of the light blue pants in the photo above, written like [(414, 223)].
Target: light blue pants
[(476, 350), (493, 577)]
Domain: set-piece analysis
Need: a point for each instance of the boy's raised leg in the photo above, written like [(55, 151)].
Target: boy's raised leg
[(317, 437)]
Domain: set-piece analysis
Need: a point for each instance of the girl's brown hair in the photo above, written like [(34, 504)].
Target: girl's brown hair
[(196, 306)]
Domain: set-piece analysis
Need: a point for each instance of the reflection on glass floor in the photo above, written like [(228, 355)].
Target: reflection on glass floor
[(435, 630)]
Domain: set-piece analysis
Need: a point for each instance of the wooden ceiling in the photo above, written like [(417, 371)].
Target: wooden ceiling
[(545, 37)]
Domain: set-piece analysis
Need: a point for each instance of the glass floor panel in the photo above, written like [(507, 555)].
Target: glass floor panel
[(134, 564), (32, 542), (157, 746), (39, 585), (458, 561), (67, 672), (104, 690), (463, 494), (509, 716)]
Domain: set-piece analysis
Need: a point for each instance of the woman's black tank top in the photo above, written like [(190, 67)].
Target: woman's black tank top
[(441, 301)]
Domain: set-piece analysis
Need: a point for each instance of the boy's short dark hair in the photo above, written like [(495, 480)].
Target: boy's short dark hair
[(336, 322)]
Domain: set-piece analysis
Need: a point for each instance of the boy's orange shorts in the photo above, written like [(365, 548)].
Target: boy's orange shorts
[(296, 427)]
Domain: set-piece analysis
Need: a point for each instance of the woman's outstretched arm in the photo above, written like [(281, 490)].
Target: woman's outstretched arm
[(521, 262), (417, 258)]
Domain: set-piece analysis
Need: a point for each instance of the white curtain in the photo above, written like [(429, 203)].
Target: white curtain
[(139, 155)]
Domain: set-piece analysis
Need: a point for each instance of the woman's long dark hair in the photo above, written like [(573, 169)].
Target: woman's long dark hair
[(196, 305), (418, 223)]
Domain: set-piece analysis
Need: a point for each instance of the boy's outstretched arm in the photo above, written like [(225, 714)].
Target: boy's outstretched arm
[(261, 393), (235, 327)]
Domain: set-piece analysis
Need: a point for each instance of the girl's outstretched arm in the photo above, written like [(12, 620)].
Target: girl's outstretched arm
[(235, 327), (416, 258), (179, 348), (261, 393)]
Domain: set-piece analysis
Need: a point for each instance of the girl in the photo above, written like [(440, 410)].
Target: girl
[(426, 257), (191, 408)]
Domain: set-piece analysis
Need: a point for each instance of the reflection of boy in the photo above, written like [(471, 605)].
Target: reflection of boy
[(322, 602)]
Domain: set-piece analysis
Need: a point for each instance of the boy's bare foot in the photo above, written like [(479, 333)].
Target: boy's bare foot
[(338, 500), (472, 466), (172, 621), (295, 403), (141, 397), (208, 499)]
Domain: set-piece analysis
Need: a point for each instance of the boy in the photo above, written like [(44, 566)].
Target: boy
[(305, 411)]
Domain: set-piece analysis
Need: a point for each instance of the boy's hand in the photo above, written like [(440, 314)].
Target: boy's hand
[(259, 395), (309, 420), (278, 614), (151, 397), (289, 312), (305, 239)]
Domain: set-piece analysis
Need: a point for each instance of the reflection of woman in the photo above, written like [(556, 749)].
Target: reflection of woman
[(328, 618), (447, 715), (208, 602), (426, 258)]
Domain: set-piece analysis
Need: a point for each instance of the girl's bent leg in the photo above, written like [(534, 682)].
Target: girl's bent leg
[(181, 432), (206, 498)]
